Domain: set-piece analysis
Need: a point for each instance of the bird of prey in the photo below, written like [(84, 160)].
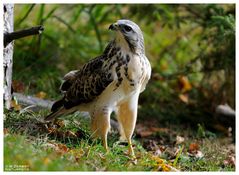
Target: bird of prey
[(107, 83)]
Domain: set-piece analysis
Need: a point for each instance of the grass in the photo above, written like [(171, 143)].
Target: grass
[(30, 145), (54, 152)]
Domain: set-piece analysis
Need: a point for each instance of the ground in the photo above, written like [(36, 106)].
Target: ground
[(32, 145)]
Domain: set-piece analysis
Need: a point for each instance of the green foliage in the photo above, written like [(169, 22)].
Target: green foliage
[(197, 41)]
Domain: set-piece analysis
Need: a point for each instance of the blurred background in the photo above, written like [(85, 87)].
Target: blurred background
[(191, 49)]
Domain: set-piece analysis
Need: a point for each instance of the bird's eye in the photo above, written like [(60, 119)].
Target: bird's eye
[(127, 28)]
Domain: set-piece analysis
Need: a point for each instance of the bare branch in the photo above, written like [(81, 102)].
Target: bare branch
[(9, 37)]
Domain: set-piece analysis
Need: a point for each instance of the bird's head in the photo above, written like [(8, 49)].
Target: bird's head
[(128, 35)]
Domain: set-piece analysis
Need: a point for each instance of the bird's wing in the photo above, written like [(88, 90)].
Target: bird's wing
[(88, 83), (69, 79)]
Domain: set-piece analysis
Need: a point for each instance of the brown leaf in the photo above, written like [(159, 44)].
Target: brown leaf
[(41, 95), (184, 84), (46, 161), (51, 130), (18, 86), (60, 123), (63, 148), (70, 134), (230, 161), (15, 105), (5, 131), (193, 148), (194, 151), (155, 129), (145, 133), (183, 98)]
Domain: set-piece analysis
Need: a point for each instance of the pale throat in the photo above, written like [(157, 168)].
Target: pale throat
[(120, 41)]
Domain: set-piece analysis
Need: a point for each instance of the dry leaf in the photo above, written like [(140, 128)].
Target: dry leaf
[(145, 133), (183, 97), (5, 131), (15, 105), (46, 161), (193, 147), (18, 86), (41, 95), (179, 140), (231, 161), (70, 134), (184, 83), (194, 151), (63, 148), (60, 123)]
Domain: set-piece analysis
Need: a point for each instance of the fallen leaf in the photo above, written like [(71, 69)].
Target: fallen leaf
[(184, 84), (5, 131), (162, 165), (145, 133), (63, 148), (194, 151), (155, 129), (184, 98), (46, 161), (15, 105), (60, 123), (230, 161), (70, 134), (193, 147), (179, 140), (18, 86), (51, 130), (41, 95)]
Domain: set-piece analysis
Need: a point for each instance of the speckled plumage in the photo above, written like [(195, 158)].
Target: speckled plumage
[(110, 82)]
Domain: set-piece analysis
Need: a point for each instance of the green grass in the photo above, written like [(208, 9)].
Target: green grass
[(29, 146), (41, 151), (18, 150)]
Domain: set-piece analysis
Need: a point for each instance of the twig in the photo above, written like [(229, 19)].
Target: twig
[(9, 37)]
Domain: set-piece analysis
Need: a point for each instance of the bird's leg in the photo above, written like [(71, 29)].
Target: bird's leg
[(100, 126), (104, 139), (131, 150), (127, 115)]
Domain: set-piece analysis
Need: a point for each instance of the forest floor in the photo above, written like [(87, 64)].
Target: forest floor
[(32, 145)]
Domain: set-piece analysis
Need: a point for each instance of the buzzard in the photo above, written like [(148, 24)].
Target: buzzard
[(109, 82)]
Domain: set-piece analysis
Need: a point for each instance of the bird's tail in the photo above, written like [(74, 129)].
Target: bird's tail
[(61, 111), (58, 110)]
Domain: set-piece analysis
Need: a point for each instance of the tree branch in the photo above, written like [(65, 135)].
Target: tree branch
[(9, 37)]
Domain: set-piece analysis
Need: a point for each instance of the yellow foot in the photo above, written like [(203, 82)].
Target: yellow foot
[(131, 152)]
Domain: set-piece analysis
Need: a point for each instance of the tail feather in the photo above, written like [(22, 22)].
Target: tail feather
[(55, 114), (57, 105)]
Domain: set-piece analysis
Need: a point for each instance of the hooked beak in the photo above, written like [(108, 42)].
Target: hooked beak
[(114, 26)]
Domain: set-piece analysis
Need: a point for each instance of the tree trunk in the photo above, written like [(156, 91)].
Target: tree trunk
[(8, 54)]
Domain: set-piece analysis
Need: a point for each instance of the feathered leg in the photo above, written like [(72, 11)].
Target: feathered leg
[(100, 126), (127, 115)]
